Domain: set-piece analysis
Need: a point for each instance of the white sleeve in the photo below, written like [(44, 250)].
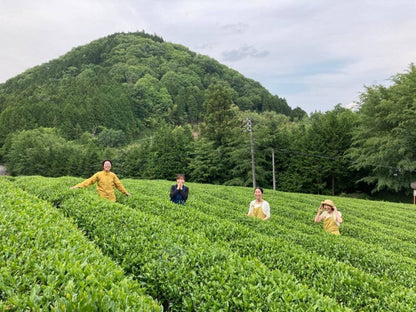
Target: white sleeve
[(335, 218), (250, 209), (266, 208), (323, 214)]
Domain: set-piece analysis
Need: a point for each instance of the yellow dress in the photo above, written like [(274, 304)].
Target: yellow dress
[(106, 181), (258, 212), (330, 223)]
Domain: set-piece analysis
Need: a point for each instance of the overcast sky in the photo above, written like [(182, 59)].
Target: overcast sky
[(315, 54)]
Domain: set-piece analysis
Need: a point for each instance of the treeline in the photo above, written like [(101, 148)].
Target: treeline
[(157, 109), (308, 155), (337, 152)]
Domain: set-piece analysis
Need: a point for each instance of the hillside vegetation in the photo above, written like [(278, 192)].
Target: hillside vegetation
[(157, 109), (208, 255), (126, 82)]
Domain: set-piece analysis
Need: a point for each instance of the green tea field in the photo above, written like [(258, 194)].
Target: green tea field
[(70, 250)]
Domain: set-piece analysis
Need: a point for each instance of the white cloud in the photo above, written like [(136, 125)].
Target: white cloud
[(242, 53)]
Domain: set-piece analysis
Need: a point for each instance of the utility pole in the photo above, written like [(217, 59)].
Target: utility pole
[(253, 167), (274, 177)]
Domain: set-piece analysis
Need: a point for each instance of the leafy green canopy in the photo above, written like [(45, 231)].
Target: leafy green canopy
[(157, 109), (127, 82), (384, 141)]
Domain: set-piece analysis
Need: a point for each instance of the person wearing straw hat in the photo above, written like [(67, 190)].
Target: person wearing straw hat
[(331, 216)]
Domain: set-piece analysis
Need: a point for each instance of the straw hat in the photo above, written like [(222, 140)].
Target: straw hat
[(328, 202)]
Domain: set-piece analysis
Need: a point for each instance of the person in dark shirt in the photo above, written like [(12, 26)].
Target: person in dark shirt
[(179, 192)]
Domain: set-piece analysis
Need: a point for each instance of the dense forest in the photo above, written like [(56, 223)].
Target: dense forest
[(156, 108)]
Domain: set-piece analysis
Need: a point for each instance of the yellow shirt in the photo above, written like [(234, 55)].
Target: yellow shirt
[(258, 213), (259, 210), (330, 223), (106, 181)]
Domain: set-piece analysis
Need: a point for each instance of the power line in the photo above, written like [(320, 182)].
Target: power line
[(341, 158)]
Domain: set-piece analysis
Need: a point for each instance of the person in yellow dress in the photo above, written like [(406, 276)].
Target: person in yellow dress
[(331, 216), (106, 181), (259, 208)]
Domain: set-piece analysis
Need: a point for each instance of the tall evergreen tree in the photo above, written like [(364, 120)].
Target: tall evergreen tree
[(219, 114)]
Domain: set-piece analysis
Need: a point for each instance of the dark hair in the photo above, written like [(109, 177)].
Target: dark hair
[(180, 175), (102, 164), (258, 188)]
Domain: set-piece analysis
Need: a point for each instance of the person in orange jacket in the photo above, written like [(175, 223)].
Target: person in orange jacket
[(106, 181)]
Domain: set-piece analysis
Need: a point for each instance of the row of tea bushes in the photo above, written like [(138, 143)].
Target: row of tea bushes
[(370, 258), (364, 218), (354, 288), (363, 274), (179, 267), (47, 264)]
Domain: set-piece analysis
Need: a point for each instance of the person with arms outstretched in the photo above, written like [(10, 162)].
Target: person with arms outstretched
[(106, 182)]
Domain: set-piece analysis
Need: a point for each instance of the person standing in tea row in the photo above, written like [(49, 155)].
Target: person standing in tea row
[(179, 192), (331, 216), (106, 181), (259, 208)]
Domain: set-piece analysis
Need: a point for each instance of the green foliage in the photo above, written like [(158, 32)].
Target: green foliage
[(317, 153), (384, 141), (179, 267), (135, 160), (124, 95), (31, 151), (208, 255), (162, 156), (111, 138), (169, 152), (127, 82), (298, 114), (47, 264), (204, 165), (43, 151), (220, 117)]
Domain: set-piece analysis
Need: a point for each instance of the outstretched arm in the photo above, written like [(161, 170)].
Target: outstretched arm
[(120, 186), (86, 183)]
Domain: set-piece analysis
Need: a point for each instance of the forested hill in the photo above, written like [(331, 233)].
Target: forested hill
[(157, 109), (128, 82)]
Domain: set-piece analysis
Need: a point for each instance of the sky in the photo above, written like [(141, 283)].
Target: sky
[(315, 54)]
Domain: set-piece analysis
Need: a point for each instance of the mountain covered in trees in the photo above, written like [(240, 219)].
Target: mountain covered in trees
[(124, 82), (156, 109)]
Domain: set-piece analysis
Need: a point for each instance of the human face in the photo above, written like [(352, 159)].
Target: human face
[(328, 208), (107, 166), (258, 194)]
